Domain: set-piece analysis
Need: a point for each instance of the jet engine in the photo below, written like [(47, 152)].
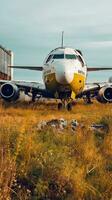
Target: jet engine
[(105, 94), (9, 92)]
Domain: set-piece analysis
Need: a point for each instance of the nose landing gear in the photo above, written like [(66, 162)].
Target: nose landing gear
[(69, 106), (65, 103)]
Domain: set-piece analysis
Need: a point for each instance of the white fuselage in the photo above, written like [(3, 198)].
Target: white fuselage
[(64, 68)]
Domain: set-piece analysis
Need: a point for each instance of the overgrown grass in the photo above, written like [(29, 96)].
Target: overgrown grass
[(51, 164)]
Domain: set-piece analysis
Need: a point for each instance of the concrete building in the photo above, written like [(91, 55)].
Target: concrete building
[(6, 59)]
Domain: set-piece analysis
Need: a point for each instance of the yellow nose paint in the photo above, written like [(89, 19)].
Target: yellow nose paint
[(78, 83), (73, 95)]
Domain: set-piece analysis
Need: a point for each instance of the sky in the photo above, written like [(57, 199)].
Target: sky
[(32, 28)]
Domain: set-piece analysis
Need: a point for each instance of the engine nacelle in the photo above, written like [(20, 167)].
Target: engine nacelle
[(105, 95), (9, 92)]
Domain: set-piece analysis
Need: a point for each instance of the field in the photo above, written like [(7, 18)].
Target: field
[(54, 164)]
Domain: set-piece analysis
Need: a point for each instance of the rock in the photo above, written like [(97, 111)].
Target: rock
[(57, 123), (97, 126), (42, 125), (63, 123), (74, 124)]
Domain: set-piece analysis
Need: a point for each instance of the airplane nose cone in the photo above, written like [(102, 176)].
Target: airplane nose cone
[(67, 77), (64, 74)]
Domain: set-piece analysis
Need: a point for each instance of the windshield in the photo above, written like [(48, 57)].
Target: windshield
[(70, 56), (61, 56), (58, 56)]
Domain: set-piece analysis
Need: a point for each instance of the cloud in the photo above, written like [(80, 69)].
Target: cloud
[(100, 44)]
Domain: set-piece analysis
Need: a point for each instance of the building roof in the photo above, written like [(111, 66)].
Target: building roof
[(7, 51)]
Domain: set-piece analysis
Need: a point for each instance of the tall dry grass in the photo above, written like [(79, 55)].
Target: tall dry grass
[(51, 164)]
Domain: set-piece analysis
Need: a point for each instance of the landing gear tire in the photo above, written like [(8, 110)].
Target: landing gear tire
[(69, 106), (60, 106)]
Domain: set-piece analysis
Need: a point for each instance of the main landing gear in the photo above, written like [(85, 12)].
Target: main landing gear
[(87, 99), (67, 104)]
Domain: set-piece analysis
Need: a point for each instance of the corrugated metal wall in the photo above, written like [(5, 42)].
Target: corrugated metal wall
[(5, 61)]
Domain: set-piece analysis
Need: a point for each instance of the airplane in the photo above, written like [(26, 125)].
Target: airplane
[(64, 76)]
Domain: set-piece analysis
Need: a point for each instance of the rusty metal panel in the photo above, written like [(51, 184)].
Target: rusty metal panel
[(5, 61)]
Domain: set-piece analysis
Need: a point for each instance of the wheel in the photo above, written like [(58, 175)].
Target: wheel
[(60, 106), (69, 106)]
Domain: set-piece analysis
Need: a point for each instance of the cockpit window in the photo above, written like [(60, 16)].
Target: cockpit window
[(70, 56), (58, 56)]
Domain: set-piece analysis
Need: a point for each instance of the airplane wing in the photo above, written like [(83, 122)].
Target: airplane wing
[(101, 91), (24, 84), (90, 88), (92, 69), (36, 68), (14, 87)]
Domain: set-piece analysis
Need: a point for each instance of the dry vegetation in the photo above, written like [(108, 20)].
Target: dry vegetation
[(54, 165)]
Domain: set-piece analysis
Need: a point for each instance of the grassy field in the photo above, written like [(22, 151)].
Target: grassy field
[(50, 164)]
